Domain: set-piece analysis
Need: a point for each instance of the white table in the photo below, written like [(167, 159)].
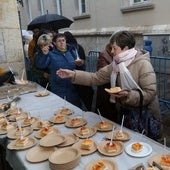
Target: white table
[(46, 107)]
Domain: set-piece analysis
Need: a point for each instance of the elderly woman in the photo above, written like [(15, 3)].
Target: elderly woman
[(61, 56), (138, 64)]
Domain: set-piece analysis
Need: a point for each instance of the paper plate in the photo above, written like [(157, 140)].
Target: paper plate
[(70, 125), (42, 94), (109, 128), (24, 124), (64, 111), (12, 134), (52, 139), (31, 142), (70, 140), (110, 164), (54, 120), (125, 137), (39, 154), (46, 123), (64, 156), (157, 158), (146, 150), (102, 150), (85, 151), (92, 131), (39, 135)]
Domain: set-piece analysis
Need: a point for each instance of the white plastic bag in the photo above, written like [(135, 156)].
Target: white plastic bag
[(127, 81)]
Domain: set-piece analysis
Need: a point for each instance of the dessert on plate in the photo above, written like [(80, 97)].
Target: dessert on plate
[(111, 147), (165, 161), (87, 144), (137, 147), (100, 165), (17, 132), (103, 125), (21, 142), (29, 120), (119, 134), (46, 130), (59, 118), (76, 121), (84, 130), (6, 126)]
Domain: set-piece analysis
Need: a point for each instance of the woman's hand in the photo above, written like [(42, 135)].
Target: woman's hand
[(45, 49), (65, 73), (121, 94)]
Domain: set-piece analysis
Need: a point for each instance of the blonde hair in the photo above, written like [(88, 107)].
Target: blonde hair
[(44, 40)]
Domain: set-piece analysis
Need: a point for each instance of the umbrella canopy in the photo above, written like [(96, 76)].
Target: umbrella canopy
[(50, 21)]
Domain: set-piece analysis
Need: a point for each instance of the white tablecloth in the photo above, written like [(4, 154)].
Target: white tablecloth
[(45, 106)]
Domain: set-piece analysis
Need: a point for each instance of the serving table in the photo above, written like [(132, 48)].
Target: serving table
[(46, 106)]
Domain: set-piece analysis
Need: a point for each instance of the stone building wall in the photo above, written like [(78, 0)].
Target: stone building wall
[(11, 48)]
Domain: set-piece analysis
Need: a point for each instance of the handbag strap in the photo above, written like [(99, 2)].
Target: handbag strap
[(140, 102)]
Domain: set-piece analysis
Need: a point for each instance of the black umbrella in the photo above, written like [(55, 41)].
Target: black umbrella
[(50, 21)]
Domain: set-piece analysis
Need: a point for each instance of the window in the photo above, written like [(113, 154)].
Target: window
[(82, 7), (59, 7), (136, 5)]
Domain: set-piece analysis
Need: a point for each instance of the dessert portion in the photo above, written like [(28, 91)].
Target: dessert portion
[(40, 124), (111, 147), (6, 126), (17, 132), (65, 111), (76, 121), (103, 125), (115, 89), (137, 147), (20, 142), (59, 118), (119, 134), (29, 120), (46, 130), (87, 144), (42, 93), (84, 131), (165, 161), (100, 165)]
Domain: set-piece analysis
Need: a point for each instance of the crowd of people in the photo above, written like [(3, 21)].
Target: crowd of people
[(58, 59)]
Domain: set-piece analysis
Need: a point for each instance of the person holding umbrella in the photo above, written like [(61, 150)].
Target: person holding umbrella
[(61, 56)]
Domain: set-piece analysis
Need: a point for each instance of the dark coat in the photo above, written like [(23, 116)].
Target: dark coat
[(55, 60)]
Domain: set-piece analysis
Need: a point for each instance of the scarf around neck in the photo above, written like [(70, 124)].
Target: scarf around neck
[(127, 57)]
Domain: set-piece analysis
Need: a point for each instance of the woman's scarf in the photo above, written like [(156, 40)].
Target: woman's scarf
[(127, 57)]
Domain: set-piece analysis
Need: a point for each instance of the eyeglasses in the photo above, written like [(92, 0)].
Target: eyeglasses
[(61, 40)]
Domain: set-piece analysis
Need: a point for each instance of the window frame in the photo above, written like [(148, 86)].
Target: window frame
[(82, 6)]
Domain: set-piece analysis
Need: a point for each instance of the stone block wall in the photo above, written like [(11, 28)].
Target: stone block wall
[(11, 47)]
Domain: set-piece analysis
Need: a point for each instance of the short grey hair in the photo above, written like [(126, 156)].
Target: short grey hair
[(44, 39)]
